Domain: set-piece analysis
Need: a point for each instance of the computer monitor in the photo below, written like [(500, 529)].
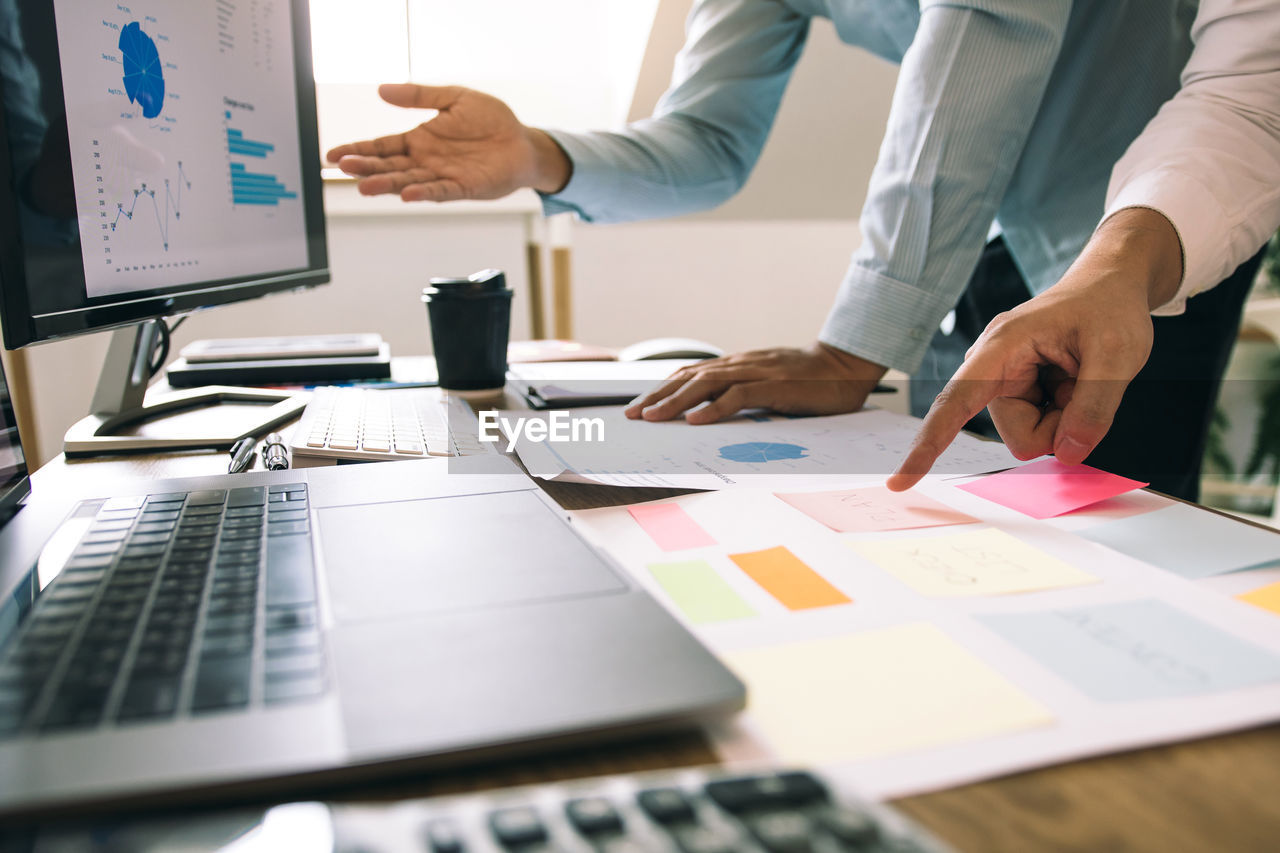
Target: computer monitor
[(156, 157)]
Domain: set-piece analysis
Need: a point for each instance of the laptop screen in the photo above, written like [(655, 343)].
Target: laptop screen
[(13, 466)]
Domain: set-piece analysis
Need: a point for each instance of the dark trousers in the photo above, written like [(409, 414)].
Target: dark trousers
[(1161, 427)]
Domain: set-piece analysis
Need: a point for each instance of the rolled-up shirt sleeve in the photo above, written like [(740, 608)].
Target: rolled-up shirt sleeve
[(707, 131), (970, 87), (1210, 159)]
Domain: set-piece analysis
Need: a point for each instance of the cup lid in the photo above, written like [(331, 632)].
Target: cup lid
[(483, 282)]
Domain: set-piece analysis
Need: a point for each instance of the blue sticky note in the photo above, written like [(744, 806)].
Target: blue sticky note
[(1189, 541), (1136, 650)]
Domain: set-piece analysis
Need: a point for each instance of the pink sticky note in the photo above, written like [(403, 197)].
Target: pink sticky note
[(670, 526), (1048, 488), (874, 508)]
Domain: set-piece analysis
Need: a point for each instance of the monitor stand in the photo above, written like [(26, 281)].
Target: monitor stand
[(118, 403)]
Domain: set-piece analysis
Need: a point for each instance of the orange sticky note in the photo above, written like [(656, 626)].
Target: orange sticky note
[(874, 508), (670, 526), (1266, 597), (788, 579)]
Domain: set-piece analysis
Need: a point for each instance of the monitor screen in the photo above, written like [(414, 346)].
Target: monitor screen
[(160, 156)]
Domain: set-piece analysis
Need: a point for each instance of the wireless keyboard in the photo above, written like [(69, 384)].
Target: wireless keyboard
[(356, 424), (689, 811)]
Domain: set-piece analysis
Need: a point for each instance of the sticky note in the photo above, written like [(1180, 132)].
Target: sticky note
[(1048, 488), (1136, 650), (1267, 597), (881, 692), (788, 579), (1189, 541), (700, 593), (670, 526), (873, 509), (976, 562)]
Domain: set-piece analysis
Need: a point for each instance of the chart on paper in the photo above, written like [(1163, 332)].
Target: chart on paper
[(761, 451)]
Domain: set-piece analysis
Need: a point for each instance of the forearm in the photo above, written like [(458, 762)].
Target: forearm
[(969, 91), (708, 129), (1210, 159)]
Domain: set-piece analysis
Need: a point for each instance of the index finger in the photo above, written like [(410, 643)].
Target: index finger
[(959, 401)]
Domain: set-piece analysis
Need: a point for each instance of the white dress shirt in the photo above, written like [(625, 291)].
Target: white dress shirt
[(1210, 159)]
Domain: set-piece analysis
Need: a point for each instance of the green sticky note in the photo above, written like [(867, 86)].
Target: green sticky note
[(701, 594)]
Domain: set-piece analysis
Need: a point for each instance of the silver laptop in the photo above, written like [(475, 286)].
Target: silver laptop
[(175, 639)]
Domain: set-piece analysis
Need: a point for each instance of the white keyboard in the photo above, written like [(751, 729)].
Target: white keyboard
[(382, 425)]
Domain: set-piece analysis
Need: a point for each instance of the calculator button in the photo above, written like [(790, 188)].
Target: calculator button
[(850, 826), (593, 816), (750, 793), (666, 805), (516, 827), (702, 839), (442, 836), (782, 832)]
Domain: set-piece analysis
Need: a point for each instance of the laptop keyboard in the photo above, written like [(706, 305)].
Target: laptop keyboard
[(194, 602)]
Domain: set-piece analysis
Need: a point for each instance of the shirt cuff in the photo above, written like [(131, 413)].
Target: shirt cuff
[(1198, 218), (884, 321)]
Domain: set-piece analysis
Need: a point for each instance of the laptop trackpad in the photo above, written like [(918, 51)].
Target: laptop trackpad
[(454, 553)]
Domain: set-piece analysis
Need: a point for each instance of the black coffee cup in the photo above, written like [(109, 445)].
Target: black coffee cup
[(470, 322)]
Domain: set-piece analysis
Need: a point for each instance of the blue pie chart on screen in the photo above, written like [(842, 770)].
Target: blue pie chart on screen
[(143, 78), (762, 451)]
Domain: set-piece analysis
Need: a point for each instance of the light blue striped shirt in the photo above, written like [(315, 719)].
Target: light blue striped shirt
[(1011, 111)]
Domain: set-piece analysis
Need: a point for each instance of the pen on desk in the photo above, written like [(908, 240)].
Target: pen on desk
[(242, 456), (275, 456)]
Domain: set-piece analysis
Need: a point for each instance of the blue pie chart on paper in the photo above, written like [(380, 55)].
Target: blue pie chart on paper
[(143, 78), (762, 451)]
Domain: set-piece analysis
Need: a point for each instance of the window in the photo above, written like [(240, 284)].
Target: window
[(569, 64)]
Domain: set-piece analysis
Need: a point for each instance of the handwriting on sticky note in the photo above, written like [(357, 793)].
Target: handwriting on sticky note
[(701, 594), (1133, 650), (882, 692), (1048, 488), (874, 508), (787, 578), (670, 526), (976, 562)]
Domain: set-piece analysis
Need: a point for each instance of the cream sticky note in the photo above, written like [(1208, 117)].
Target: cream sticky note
[(976, 562), (874, 508), (881, 692), (1047, 487), (1266, 597)]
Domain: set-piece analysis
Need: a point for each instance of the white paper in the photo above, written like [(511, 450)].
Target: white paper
[(756, 450), (748, 520)]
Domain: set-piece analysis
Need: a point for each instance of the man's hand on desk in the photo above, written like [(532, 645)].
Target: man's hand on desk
[(818, 380), (473, 148), (1053, 370)]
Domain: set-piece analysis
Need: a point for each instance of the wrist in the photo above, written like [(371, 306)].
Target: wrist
[(852, 366), (1143, 243), (551, 166)]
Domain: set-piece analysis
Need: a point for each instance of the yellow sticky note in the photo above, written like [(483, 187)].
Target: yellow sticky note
[(1266, 597), (881, 692), (978, 562)]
